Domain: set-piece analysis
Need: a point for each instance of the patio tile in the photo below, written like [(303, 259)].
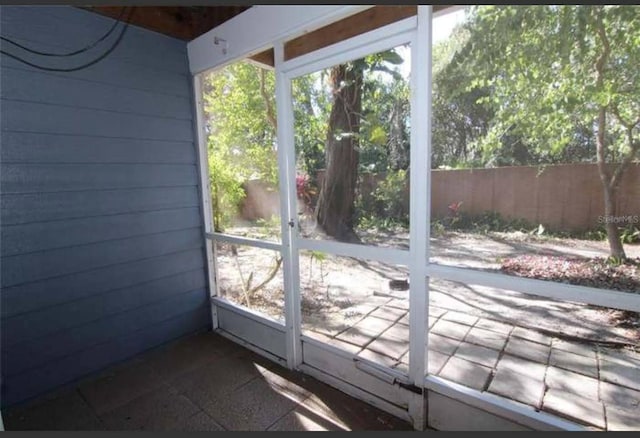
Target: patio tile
[(531, 335), (319, 336), (216, 379), (442, 344), (162, 409), (377, 357), (574, 362), (579, 409), (572, 383), (622, 419), (528, 350), (620, 357), (350, 413), (487, 338), (67, 411), (399, 304), (351, 348), (494, 326), (533, 370), (346, 346), (402, 367), (478, 354), (119, 385), (360, 336), (466, 373), (389, 313), (618, 396), (244, 389), (188, 354), (623, 375), (254, 406), (288, 383), (390, 347), (373, 324), (302, 420), (450, 329), (462, 318), (200, 422), (436, 312), (436, 361), (575, 348), (399, 332), (516, 386)]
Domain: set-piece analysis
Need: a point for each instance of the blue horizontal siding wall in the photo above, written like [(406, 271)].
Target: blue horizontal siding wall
[(101, 241)]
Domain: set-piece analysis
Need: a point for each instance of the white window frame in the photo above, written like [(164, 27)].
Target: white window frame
[(271, 26)]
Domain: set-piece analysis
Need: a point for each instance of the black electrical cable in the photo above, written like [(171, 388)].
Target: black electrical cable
[(75, 52), (81, 67)]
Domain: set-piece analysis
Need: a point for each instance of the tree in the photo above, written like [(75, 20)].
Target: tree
[(458, 119), (556, 71), (335, 209), (241, 126)]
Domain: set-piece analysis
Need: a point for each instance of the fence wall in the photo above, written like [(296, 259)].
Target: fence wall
[(566, 197), (563, 197)]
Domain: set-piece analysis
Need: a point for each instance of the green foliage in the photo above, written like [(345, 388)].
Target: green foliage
[(383, 140), (237, 101), (543, 84), (483, 223), (390, 196), (386, 207), (226, 191), (311, 108), (540, 65), (630, 234)]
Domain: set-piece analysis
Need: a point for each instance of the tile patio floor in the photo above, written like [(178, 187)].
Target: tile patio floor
[(590, 385), (205, 382), (200, 383)]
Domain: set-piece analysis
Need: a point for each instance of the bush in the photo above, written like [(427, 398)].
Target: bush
[(385, 208), (488, 221), (226, 192)]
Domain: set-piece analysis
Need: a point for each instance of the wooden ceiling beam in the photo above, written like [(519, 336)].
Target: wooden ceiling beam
[(172, 21), (266, 58), (349, 27), (185, 23)]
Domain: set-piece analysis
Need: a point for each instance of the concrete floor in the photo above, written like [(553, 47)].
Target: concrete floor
[(205, 382), (200, 383)]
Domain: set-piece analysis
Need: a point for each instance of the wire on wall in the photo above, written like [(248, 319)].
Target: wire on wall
[(83, 66), (75, 52)]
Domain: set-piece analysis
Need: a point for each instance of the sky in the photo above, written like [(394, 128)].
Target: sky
[(444, 24), (442, 27)]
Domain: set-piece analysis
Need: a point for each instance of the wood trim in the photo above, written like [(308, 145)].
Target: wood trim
[(265, 58), (185, 23), (354, 25)]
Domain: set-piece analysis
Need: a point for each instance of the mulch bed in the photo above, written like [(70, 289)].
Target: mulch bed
[(595, 272)]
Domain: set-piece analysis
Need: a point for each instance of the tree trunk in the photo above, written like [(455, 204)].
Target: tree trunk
[(398, 150), (615, 244), (609, 183), (336, 210), (613, 236)]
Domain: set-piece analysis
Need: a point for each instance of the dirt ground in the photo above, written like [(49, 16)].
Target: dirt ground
[(338, 291)]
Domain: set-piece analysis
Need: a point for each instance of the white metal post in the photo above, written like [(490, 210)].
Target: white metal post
[(205, 195), (288, 209), (419, 208)]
